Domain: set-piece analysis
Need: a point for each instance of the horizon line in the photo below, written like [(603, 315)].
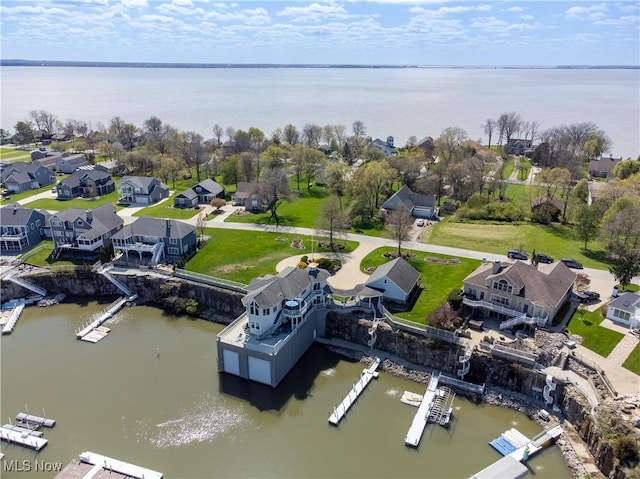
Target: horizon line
[(144, 64)]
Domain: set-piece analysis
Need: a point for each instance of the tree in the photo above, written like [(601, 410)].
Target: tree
[(218, 203), (621, 227), (312, 135), (335, 175), (313, 161), (218, 133), (358, 128), (626, 168), (370, 184), (508, 125), (489, 127), (191, 150), (4, 136), (169, 170), (399, 223), (45, 122), (587, 222), (625, 266), (332, 219), (291, 135), (24, 132), (230, 169), (442, 317), (274, 189)]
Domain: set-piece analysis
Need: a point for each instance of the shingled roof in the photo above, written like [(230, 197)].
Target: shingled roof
[(401, 273)]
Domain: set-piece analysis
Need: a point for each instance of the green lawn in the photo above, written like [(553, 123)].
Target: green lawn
[(557, 241), (524, 168), (25, 194), (244, 255), (595, 337), (13, 154), (167, 210), (509, 165), (632, 362), (42, 257), (437, 279), (85, 203), (302, 210)]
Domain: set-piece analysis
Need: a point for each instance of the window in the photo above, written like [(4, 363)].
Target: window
[(173, 240), (502, 285), (173, 251), (253, 309), (501, 300), (38, 223), (624, 315), (316, 286), (56, 223)]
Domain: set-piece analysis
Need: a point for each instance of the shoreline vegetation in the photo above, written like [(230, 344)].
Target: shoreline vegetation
[(65, 63)]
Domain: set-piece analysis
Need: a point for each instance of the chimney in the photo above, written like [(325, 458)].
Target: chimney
[(15, 208), (89, 216), (495, 269), (168, 221)]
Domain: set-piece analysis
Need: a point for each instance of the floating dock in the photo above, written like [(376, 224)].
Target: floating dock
[(421, 418), (516, 449), (22, 439), (14, 315), (35, 420), (100, 463), (23, 430), (365, 378), (94, 331)]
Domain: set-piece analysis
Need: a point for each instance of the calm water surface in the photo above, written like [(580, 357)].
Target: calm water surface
[(176, 415), (398, 102)]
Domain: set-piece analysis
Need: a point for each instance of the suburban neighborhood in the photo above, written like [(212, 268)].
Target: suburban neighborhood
[(483, 247)]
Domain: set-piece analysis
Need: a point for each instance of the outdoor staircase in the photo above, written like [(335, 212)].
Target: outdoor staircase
[(549, 388), (26, 284), (372, 333), (159, 249), (523, 319), (121, 286), (464, 361)]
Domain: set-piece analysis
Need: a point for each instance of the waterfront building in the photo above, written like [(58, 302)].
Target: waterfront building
[(284, 314), (22, 176), (518, 292), (141, 190), (625, 310), (20, 228), (201, 194)]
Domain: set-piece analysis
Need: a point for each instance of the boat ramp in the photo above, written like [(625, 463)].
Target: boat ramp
[(96, 466), (436, 405), (341, 409), (516, 449)]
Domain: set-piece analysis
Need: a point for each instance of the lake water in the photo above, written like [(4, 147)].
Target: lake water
[(177, 415), (397, 102)]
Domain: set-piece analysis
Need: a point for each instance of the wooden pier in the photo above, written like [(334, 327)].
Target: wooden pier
[(94, 331), (101, 462), (22, 439), (365, 378)]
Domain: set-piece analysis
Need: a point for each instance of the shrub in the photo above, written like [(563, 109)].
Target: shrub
[(454, 298), (304, 259), (626, 450)]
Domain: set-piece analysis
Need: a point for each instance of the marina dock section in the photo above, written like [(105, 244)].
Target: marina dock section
[(94, 331), (421, 418), (10, 316), (96, 466), (365, 378), (22, 439), (35, 420)]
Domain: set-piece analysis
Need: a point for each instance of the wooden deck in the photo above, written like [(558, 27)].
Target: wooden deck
[(365, 378), (421, 418)]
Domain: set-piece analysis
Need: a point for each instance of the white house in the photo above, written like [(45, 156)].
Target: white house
[(625, 310), (397, 280)]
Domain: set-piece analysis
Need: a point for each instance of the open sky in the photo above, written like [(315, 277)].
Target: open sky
[(385, 32)]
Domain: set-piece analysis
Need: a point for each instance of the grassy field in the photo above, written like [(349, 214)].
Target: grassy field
[(243, 255), (167, 210), (632, 362), (302, 210), (42, 257), (524, 167), (437, 279), (13, 154), (25, 194), (597, 338), (509, 165), (557, 241)]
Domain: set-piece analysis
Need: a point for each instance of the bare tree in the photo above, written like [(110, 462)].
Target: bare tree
[(291, 135), (312, 134), (399, 223), (489, 128), (442, 317), (341, 134), (509, 124), (218, 133), (44, 120), (274, 189), (358, 128), (332, 219)]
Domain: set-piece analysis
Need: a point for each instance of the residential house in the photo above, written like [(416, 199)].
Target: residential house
[(201, 194), (141, 190), (20, 228), (86, 184), (248, 195), (625, 310), (386, 147), (22, 176), (427, 145), (603, 168), (81, 233), (396, 279), (519, 146), (46, 157), (153, 240), (518, 293), (69, 163), (418, 205), (284, 314)]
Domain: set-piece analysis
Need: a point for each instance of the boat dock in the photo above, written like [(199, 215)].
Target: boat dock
[(421, 418), (35, 420), (23, 430), (97, 466), (365, 378), (516, 449), (12, 316), (22, 438), (94, 331)]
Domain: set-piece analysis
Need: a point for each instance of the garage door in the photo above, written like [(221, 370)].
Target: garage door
[(421, 212), (259, 370), (231, 362)]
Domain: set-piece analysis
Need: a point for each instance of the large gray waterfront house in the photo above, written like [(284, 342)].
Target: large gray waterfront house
[(20, 228)]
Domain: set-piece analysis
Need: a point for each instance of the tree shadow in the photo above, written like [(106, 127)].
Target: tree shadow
[(601, 256)]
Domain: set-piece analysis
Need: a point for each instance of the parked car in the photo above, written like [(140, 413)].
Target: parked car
[(543, 258), (420, 223), (517, 254), (587, 296), (572, 263)]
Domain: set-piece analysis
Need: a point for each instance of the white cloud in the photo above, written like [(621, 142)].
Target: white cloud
[(593, 12), (526, 17), (442, 11), (495, 25), (621, 21), (313, 12), (134, 3), (515, 9)]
